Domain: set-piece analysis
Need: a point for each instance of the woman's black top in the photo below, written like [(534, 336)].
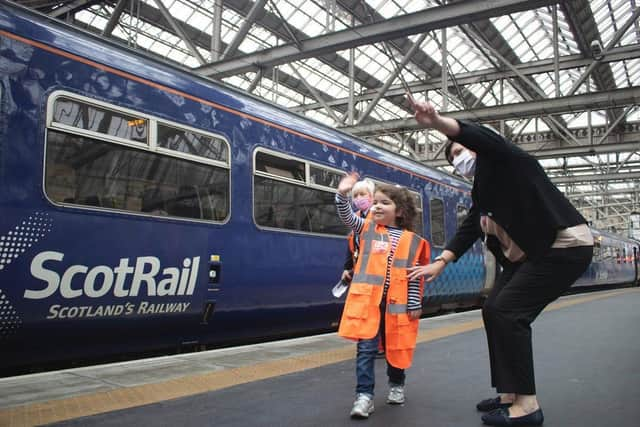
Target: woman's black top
[(511, 187)]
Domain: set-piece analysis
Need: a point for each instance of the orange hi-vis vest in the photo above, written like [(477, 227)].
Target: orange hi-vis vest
[(352, 239), (361, 314)]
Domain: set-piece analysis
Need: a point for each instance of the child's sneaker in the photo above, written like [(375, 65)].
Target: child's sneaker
[(362, 407), (396, 395)]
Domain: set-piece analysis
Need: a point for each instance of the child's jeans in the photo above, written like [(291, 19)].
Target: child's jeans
[(365, 373)]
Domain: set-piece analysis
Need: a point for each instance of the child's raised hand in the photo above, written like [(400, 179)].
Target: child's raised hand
[(347, 183)]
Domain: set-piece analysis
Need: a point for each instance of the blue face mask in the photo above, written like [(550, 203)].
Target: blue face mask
[(465, 164)]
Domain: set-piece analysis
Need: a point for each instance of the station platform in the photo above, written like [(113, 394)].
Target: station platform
[(586, 352)]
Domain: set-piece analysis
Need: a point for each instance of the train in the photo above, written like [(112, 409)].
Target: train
[(145, 209)]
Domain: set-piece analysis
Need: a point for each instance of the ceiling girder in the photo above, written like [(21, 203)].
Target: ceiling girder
[(529, 68), (575, 103), (419, 22)]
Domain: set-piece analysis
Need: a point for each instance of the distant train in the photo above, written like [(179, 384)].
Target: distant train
[(146, 208)]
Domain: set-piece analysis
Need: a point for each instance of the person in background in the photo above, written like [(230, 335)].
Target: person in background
[(362, 199), (542, 241), (381, 301)]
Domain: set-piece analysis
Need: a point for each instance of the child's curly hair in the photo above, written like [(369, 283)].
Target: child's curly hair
[(405, 203)]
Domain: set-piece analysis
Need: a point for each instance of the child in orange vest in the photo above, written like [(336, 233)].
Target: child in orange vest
[(382, 303)]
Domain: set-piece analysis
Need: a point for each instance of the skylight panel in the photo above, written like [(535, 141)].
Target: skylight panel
[(286, 9), (388, 9), (89, 17), (237, 81), (431, 47), (179, 10), (581, 120), (313, 28), (626, 73), (610, 19)]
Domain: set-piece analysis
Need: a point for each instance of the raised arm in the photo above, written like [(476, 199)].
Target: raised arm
[(479, 139), (345, 213)]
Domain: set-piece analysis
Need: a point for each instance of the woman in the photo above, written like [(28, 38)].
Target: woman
[(540, 239)]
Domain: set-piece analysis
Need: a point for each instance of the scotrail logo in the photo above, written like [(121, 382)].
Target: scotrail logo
[(143, 275)]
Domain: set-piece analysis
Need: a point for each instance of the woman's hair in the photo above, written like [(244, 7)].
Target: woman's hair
[(447, 152), (405, 203), (366, 185)]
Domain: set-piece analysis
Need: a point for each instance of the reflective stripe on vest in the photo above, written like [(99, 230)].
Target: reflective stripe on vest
[(413, 249), (369, 235), (397, 308)]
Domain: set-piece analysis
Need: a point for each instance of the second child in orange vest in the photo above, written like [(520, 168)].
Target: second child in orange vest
[(362, 198), (382, 304)]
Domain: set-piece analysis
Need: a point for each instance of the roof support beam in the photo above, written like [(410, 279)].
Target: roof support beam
[(396, 72), (529, 68), (567, 104), (609, 177), (615, 39), (70, 7), (232, 48), (115, 17), (419, 22), (179, 31)]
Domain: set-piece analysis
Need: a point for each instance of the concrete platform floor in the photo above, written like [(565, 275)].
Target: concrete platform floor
[(586, 353)]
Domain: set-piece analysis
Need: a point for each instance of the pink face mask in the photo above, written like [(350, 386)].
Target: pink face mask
[(362, 203)]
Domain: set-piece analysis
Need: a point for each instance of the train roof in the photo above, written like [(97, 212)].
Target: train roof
[(60, 38)]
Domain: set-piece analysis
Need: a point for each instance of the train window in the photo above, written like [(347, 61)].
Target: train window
[(324, 177), (85, 116), (194, 143), (90, 161), (437, 222), (285, 199), (417, 198), (84, 171), (461, 214), (597, 248), (279, 166)]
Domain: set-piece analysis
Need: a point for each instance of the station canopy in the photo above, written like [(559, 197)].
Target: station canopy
[(560, 78)]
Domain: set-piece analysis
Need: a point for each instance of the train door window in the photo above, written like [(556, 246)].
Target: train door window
[(286, 197), (324, 177), (280, 166), (95, 119), (437, 222), (417, 198), (461, 214), (192, 142), (597, 248), (105, 171)]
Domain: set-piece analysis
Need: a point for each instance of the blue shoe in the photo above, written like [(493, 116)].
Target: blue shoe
[(487, 405), (500, 417)]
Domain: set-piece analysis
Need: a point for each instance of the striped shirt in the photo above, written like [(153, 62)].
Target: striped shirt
[(356, 223)]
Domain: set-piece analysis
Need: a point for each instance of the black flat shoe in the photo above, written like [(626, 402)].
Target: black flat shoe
[(487, 405), (500, 417)]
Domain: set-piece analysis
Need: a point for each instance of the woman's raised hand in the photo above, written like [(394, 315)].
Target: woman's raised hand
[(424, 112), (347, 183)]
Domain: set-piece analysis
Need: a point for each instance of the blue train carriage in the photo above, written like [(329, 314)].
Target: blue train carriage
[(615, 261), (145, 208)]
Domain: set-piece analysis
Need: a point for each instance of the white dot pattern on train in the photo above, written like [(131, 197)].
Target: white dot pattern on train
[(23, 236), (10, 321), (13, 244)]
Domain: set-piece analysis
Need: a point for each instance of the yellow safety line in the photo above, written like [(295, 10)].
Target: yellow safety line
[(129, 397)]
